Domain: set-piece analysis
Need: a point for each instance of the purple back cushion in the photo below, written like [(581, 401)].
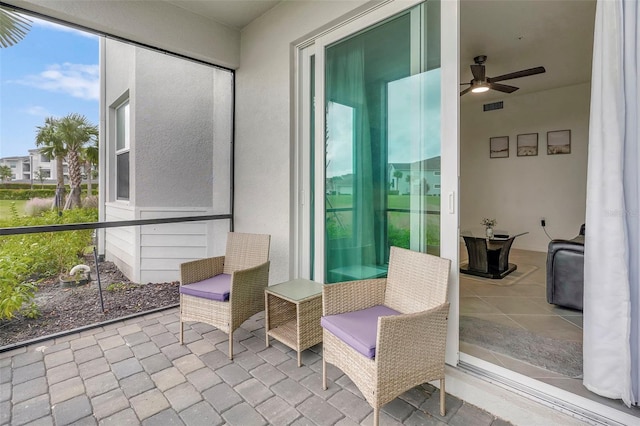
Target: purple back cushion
[(358, 329), (214, 288)]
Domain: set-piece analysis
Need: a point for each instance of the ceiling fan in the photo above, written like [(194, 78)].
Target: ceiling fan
[(482, 83)]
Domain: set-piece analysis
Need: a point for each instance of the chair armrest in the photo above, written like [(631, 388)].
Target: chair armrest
[(254, 279), (350, 296), (201, 269), (411, 345), (574, 245), (247, 293)]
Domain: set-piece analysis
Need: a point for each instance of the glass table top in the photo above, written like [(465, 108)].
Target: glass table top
[(296, 290), (498, 234)]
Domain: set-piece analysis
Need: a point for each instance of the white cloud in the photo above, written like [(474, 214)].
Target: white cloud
[(77, 80), (38, 111)]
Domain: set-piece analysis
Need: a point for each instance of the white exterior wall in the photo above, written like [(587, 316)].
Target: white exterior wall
[(172, 170), (519, 191), (121, 243), (264, 125)]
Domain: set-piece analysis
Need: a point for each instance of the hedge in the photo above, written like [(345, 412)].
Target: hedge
[(27, 194), (36, 185)]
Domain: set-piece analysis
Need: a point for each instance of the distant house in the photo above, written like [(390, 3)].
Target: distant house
[(414, 178), (343, 185), (19, 167), (35, 167)]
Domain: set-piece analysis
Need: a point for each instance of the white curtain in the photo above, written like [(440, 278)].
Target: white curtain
[(612, 255)]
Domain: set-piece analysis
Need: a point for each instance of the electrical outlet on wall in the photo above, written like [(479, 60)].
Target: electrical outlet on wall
[(543, 222)]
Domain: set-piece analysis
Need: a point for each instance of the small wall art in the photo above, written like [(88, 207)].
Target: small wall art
[(559, 142), (499, 147), (527, 145)]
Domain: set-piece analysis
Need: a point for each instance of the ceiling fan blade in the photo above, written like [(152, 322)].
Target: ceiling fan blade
[(503, 87), (517, 74), (467, 90), (478, 72)]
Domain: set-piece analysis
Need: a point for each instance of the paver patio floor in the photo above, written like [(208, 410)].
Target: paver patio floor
[(136, 372)]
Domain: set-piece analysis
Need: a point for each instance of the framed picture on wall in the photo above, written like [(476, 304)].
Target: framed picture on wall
[(527, 145), (559, 142), (499, 147)]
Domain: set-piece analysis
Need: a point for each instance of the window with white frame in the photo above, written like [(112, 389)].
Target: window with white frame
[(122, 151)]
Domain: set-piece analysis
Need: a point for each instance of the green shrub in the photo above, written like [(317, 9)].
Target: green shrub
[(27, 257), (113, 287), (399, 237), (26, 194)]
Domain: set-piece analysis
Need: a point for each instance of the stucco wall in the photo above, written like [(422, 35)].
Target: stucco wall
[(173, 140), (518, 191), (263, 121)]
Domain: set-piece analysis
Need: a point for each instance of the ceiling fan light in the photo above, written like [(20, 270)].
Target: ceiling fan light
[(480, 89)]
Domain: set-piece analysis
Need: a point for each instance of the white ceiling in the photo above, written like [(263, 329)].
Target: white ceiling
[(233, 13), (513, 34), (522, 34)]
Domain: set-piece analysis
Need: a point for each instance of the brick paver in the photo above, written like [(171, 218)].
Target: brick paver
[(136, 372)]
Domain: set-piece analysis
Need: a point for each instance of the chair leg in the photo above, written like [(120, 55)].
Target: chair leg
[(442, 395), (231, 345), (324, 373), (181, 332), (376, 416)]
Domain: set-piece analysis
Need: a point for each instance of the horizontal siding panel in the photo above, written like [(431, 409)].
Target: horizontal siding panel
[(173, 241), (156, 214), (159, 277), (117, 252), (189, 228), (147, 264), (173, 252), (114, 213), (126, 236)]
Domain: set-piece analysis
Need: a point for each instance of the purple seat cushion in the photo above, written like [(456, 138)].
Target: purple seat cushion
[(358, 329), (214, 288)]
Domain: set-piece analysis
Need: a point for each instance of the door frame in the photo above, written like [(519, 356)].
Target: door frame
[(315, 46)]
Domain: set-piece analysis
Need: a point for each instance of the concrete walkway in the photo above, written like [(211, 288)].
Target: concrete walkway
[(136, 372)]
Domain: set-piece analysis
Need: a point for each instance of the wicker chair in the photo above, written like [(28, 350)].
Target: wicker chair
[(406, 347), (225, 291)]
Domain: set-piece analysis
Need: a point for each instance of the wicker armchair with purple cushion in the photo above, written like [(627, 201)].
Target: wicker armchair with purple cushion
[(388, 335), (225, 291)]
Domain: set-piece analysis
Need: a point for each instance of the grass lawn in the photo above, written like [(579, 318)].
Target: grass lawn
[(5, 212), (393, 201)]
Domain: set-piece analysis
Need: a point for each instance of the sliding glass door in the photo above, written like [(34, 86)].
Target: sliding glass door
[(381, 144), (375, 162)]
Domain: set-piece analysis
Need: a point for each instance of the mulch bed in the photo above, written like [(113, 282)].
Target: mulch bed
[(66, 308)]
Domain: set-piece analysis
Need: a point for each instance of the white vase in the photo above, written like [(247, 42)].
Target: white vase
[(489, 231)]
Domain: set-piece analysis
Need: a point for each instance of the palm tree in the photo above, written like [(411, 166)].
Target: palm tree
[(13, 27), (90, 157), (52, 146), (5, 173), (397, 174), (76, 131)]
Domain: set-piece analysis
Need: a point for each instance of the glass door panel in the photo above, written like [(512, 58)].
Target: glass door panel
[(382, 145)]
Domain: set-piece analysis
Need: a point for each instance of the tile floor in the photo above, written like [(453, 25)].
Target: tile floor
[(524, 305), (135, 372)]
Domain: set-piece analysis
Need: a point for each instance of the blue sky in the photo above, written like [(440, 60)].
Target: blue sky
[(53, 71)]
